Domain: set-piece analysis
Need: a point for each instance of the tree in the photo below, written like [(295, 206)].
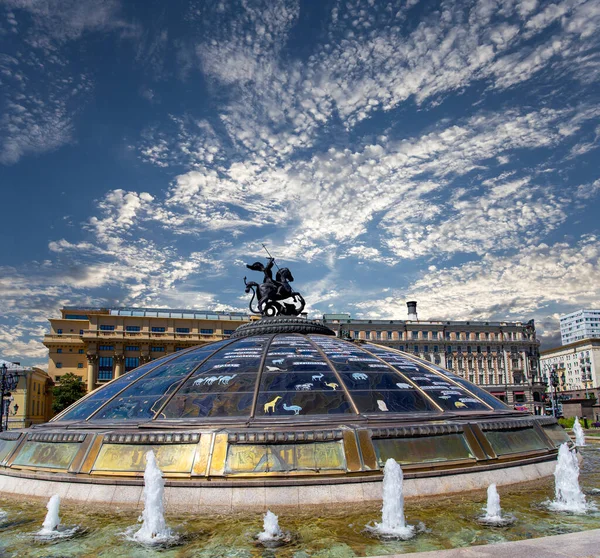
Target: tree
[(71, 389)]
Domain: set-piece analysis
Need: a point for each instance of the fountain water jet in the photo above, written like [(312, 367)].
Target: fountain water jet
[(579, 435), (51, 528), (393, 523), (568, 496), (52, 520), (154, 528), (493, 512), (271, 530)]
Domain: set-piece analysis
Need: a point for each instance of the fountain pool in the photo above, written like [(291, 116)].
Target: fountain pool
[(334, 531)]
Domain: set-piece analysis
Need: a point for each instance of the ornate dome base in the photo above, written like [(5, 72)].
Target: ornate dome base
[(284, 413), (281, 324)]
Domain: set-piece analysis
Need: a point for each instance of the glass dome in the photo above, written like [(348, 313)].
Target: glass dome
[(262, 377)]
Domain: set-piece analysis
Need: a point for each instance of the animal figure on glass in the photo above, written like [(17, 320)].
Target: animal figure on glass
[(459, 405), (207, 380), (332, 385), (294, 408), (224, 380), (304, 387), (272, 294), (382, 406), (278, 361), (317, 377), (274, 369), (402, 385), (359, 376), (270, 406)]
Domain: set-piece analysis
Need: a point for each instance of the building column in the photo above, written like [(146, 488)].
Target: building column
[(118, 361), (92, 372)]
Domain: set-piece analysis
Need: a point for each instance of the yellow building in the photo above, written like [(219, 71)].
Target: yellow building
[(31, 401), (99, 344)]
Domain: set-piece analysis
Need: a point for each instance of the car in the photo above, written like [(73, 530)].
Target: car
[(521, 408)]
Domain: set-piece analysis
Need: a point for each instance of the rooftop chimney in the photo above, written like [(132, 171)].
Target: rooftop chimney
[(412, 310)]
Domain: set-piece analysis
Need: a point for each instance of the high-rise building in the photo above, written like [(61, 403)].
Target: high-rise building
[(99, 344), (501, 357), (577, 366), (583, 324)]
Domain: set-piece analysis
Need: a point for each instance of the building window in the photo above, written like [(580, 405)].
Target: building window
[(416, 349), (206, 331), (469, 349), (107, 328), (105, 368), (106, 348), (449, 349), (471, 378), (157, 349), (378, 334), (57, 378), (182, 330), (59, 365), (448, 335), (478, 350), (436, 349), (415, 334), (426, 348), (158, 330), (59, 351), (449, 363), (132, 348), (481, 378), (59, 331), (134, 328), (477, 336), (434, 335), (228, 331), (131, 363), (389, 335), (80, 365), (355, 334)]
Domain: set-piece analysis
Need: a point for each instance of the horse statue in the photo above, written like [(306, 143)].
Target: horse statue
[(275, 296)]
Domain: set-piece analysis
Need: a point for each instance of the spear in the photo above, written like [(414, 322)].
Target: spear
[(265, 247)]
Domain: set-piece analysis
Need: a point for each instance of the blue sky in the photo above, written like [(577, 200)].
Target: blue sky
[(385, 151)]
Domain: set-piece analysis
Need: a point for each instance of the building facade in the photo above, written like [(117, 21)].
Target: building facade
[(501, 357), (583, 324), (31, 402), (99, 344), (577, 366)]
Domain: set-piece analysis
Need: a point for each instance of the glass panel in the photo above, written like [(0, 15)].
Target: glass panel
[(557, 434), (296, 380), (515, 441), (222, 386), (492, 401), (172, 458), (84, 408), (446, 394), (44, 454), (143, 399), (6, 446), (427, 449), (283, 458), (373, 385)]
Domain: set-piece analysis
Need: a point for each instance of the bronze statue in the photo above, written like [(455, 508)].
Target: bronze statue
[(272, 293)]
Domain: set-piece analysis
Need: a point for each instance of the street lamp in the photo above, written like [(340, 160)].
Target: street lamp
[(554, 382), (8, 382)]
